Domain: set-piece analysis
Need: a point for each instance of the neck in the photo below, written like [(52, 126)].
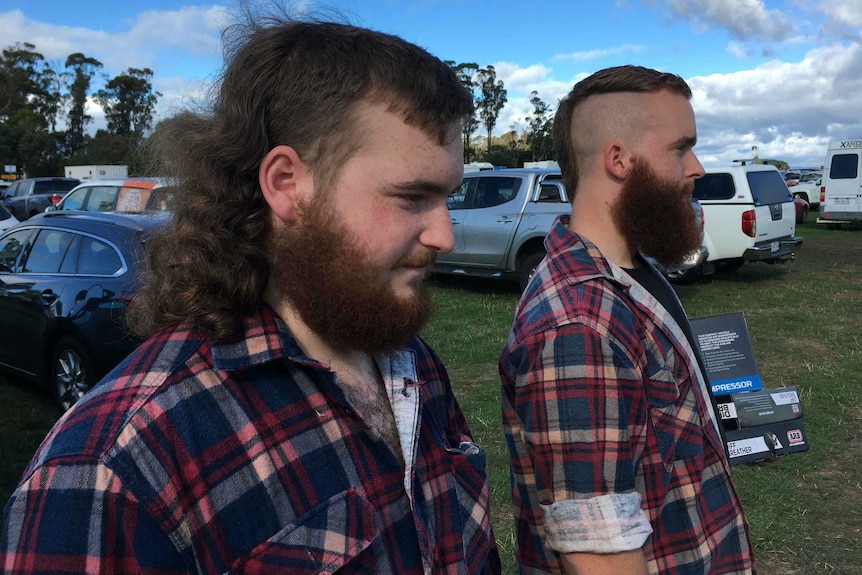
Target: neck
[(592, 219)]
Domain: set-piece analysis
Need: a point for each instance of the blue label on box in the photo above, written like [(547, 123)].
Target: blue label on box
[(748, 383)]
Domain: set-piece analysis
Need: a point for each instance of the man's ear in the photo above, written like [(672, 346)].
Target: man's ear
[(616, 160), (284, 180)]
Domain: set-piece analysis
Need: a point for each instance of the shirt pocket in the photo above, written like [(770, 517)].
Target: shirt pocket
[(467, 464), (673, 413), (323, 540)]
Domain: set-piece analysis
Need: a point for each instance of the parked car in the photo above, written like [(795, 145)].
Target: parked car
[(801, 209), (66, 279), (748, 215), (118, 195), (7, 220), (30, 196), (808, 189), (500, 219)]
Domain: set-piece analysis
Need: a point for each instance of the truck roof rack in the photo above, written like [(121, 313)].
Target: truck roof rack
[(745, 160)]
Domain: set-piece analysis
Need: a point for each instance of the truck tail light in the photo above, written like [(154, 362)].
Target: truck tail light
[(749, 223), (822, 194)]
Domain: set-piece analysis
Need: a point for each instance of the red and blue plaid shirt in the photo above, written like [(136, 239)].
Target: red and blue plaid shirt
[(246, 457), (612, 440)]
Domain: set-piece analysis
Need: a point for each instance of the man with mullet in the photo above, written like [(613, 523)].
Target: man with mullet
[(283, 416), (617, 459)]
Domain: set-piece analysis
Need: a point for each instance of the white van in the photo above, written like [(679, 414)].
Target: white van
[(841, 187)]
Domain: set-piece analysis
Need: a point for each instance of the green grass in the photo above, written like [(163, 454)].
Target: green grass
[(805, 320)]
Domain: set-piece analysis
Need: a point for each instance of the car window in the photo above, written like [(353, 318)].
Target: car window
[(457, 199), (844, 167), (70, 262), (103, 198), (54, 186), (161, 198), (98, 258), (4, 213), (549, 193), (12, 190), (75, 200), (714, 187), (49, 249), (768, 188), (133, 199), (495, 191), (11, 247)]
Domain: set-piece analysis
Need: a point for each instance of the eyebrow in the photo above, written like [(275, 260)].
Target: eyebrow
[(685, 141)]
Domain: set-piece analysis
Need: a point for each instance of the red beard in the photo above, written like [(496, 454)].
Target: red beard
[(338, 290), (655, 215)]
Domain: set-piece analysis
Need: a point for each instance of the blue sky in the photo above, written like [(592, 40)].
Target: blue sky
[(782, 75)]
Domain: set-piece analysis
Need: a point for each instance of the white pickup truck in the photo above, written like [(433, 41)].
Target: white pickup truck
[(500, 219)]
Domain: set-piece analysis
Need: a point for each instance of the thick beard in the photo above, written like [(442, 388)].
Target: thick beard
[(655, 215), (338, 290)]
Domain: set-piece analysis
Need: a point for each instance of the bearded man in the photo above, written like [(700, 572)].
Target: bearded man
[(617, 460), (283, 416)]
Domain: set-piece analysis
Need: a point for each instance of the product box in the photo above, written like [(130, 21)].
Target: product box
[(725, 348), (750, 444), (762, 424)]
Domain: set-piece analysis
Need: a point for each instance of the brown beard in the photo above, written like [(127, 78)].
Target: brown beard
[(338, 290), (655, 215)]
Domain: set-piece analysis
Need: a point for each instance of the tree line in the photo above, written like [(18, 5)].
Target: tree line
[(515, 146), (44, 123), (38, 98)]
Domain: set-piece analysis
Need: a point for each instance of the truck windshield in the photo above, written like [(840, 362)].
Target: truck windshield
[(54, 186)]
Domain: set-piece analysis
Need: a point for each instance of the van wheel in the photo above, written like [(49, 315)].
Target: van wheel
[(71, 372), (528, 267)]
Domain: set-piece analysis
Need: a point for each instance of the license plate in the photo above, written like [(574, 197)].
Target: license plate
[(774, 247), (842, 201)]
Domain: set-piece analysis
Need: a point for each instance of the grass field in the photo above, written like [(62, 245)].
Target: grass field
[(805, 320)]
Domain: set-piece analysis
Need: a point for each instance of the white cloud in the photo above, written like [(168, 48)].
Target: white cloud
[(843, 12), (188, 32), (743, 19), (738, 50), (586, 55), (787, 109)]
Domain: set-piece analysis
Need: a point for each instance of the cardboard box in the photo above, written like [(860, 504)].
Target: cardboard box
[(753, 408), (750, 444)]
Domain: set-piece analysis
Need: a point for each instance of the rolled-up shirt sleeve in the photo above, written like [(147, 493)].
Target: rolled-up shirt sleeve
[(579, 402)]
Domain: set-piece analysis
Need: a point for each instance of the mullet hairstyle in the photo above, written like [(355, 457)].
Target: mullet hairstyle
[(608, 81), (286, 82)]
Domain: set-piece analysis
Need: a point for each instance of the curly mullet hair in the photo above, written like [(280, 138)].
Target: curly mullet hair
[(286, 82)]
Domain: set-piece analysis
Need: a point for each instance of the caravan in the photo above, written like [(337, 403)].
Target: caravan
[(841, 188)]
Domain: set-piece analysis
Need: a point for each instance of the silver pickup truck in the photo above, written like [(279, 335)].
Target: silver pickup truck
[(500, 219)]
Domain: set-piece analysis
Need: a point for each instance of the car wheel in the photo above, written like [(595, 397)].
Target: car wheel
[(528, 267), (686, 276), (71, 372)]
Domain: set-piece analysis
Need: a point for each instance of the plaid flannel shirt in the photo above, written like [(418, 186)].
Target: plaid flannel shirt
[(246, 457), (612, 440)]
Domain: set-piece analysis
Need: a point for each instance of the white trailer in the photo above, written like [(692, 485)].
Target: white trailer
[(96, 172)]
